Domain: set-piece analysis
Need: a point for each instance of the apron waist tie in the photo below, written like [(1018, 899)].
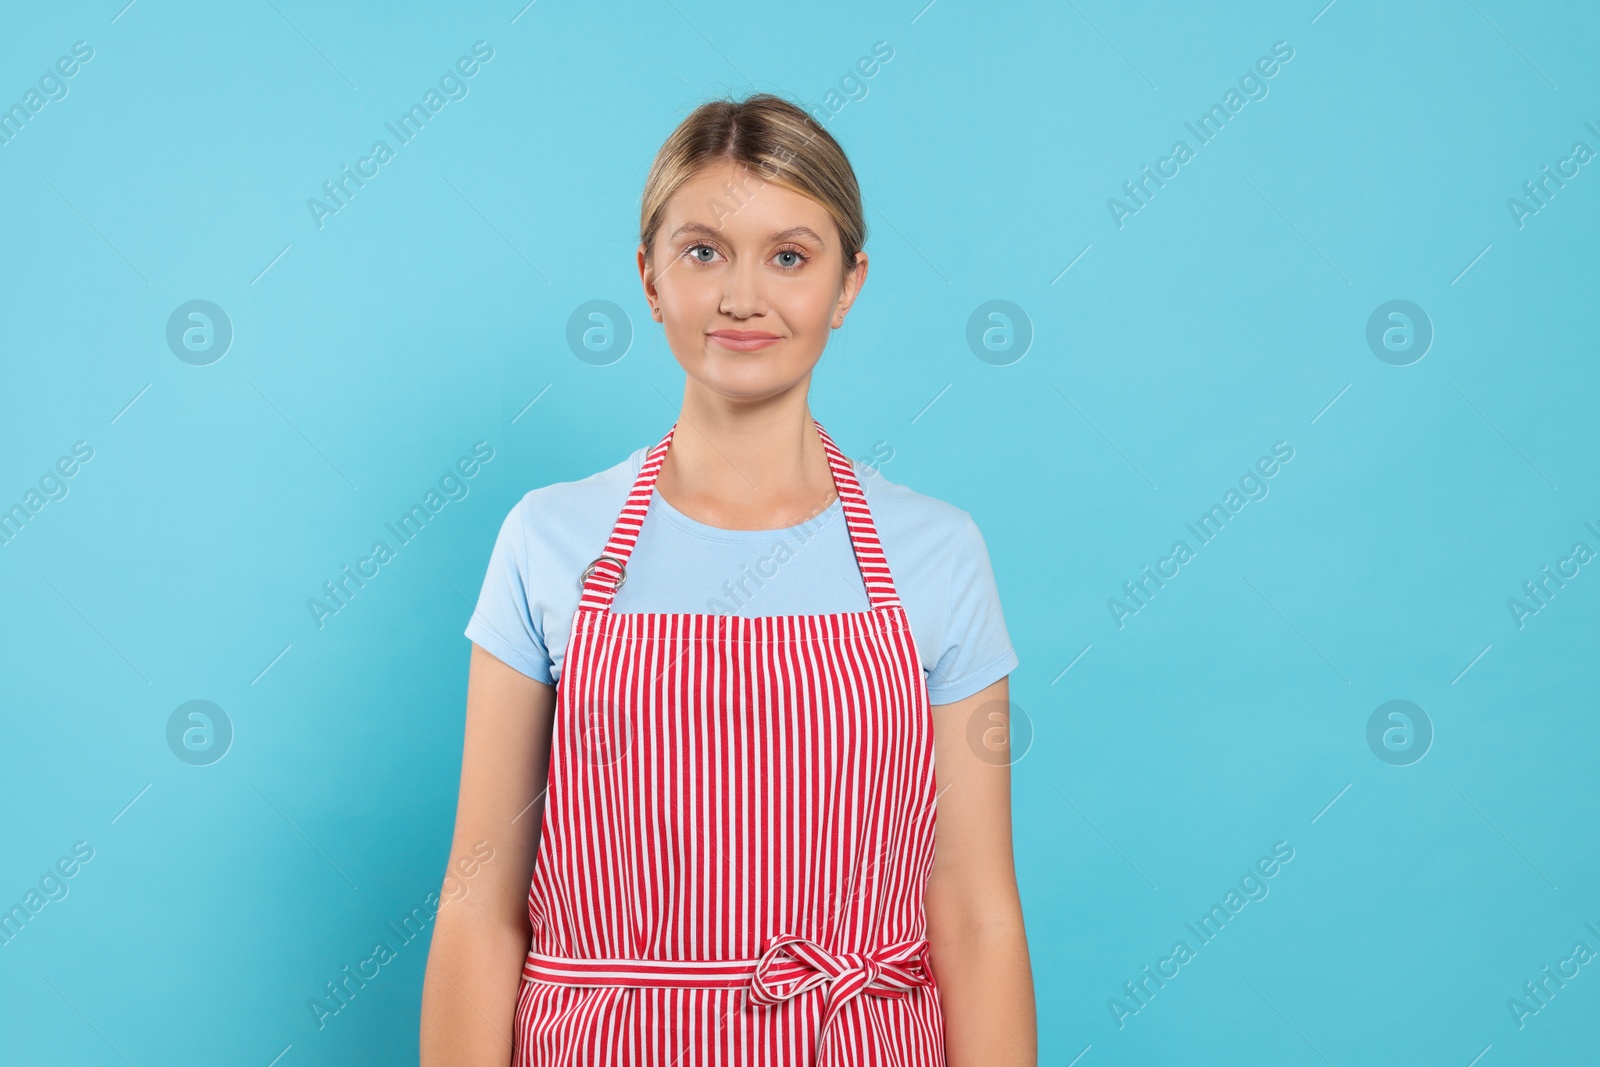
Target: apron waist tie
[(789, 966)]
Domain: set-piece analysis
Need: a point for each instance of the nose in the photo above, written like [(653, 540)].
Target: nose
[(741, 295)]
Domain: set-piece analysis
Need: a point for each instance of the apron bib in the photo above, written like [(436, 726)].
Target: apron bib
[(737, 833)]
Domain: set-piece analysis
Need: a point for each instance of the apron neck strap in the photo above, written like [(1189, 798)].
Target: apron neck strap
[(602, 576)]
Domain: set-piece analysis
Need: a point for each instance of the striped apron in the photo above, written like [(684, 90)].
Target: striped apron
[(738, 831)]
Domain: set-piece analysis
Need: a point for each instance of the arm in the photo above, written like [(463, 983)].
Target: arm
[(481, 936), (975, 932)]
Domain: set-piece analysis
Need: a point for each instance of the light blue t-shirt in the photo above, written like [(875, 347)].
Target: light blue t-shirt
[(936, 554)]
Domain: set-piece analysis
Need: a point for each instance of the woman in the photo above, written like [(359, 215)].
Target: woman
[(702, 724)]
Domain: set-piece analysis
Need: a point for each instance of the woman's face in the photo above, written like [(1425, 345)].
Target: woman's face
[(747, 279)]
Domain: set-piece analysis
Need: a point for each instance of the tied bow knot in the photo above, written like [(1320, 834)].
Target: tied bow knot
[(792, 964)]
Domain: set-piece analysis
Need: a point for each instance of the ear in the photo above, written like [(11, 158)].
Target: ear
[(853, 282), (647, 277)]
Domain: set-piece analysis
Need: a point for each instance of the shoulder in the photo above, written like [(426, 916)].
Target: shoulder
[(945, 578), (569, 517), (915, 525)]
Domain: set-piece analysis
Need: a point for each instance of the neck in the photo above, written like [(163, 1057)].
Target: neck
[(746, 467)]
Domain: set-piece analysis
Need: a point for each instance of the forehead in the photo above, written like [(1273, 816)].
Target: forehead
[(737, 201)]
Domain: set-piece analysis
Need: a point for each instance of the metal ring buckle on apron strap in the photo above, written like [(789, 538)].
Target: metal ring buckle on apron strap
[(622, 570)]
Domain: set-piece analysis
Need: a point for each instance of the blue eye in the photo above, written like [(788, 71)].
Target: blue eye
[(796, 259)]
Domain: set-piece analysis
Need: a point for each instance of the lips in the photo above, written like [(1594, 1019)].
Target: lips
[(744, 340)]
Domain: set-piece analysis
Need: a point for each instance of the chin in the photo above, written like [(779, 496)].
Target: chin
[(748, 382), (748, 388)]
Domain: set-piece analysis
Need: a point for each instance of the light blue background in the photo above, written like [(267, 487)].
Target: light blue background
[(1228, 314)]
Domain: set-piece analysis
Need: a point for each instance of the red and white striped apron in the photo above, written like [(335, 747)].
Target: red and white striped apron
[(738, 832)]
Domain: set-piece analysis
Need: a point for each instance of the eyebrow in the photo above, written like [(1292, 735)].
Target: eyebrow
[(781, 235)]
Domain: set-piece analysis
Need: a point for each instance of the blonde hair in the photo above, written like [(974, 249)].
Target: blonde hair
[(771, 136)]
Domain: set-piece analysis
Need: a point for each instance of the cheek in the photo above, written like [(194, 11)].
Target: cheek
[(685, 292), (684, 307), (809, 308)]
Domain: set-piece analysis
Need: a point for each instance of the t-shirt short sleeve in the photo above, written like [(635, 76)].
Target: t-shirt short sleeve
[(976, 649), (504, 623)]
